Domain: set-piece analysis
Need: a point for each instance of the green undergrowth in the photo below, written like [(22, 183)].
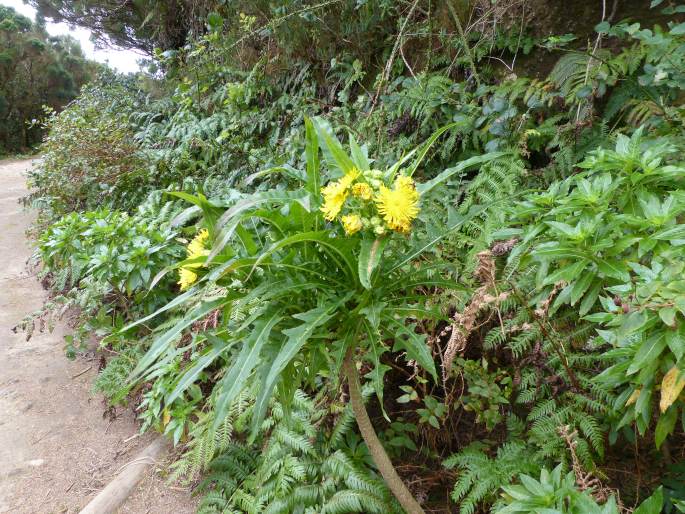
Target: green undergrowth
[(488, 264)]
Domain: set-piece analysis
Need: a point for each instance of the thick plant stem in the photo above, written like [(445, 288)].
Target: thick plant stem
[(378, 454)]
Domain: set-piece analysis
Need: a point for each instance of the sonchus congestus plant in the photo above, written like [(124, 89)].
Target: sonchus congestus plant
[(608, 242), (311, 282)]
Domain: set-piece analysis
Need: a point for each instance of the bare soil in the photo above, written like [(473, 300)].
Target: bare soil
[(57, 450)]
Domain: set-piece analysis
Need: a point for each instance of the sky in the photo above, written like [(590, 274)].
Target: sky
[(122, 60)]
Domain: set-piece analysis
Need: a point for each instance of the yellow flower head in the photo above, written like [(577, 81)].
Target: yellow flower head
[(362, 190), (398, 206), (186, 278), (334, 195), (350, 177), (352, 223), (196, 248)]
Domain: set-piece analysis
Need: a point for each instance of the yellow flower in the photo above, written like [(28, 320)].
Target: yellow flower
[(350, 177), (334, 195), (196, 248), (398, 206), (362, 190), (186, 277), (352, 223)]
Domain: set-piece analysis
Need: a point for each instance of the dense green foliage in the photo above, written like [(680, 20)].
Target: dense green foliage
[(36, 70), (306, 204)]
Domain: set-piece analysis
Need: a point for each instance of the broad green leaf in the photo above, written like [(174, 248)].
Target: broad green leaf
[(669, 234), (648, 351), (581, 286), (332, 148), (613, 269), (653, 504), (412, 343), (358, 156), (566, 273), (370, 255), (590, 299), (675, 339)]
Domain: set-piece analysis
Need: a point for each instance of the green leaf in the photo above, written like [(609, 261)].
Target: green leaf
[(413, 344), (426, 146), (675, 339), (235, 379), (369, 256), (360, 160), (460, 167), (648, 351), (296, 338), (566, 273), (581, 286), (332, 148), (312, 157), (378, 369), (613, 269), (678, 30), (590, 299), (669, 234), (162, 343), (653, 504), (336, 247), (206, 359), (667, 315)]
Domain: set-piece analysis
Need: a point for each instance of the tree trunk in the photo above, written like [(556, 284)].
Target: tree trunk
[(380, 457)]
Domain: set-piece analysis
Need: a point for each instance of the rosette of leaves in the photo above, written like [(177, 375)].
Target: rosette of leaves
[(325, 301)]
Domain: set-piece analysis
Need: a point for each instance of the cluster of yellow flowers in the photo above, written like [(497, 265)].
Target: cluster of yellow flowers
[(371, 204), (196, 248)]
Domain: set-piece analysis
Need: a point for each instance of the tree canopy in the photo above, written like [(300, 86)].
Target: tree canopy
[(36, 70)]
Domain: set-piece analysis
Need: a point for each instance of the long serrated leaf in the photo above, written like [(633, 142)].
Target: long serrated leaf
[(161, 343), (311, 151), (413, 344), (369, 256), (206, 359), (296, 337), (460, 167), (236, 377)]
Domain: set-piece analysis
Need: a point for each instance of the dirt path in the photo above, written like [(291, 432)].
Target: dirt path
[(56, 449)]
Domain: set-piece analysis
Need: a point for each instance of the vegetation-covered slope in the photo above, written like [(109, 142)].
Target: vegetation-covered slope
[(370, 257)]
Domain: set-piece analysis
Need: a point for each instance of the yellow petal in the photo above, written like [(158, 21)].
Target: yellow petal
[(671, 385)]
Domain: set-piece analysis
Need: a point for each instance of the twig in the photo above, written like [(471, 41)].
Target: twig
[(592, 56), (467, 48), (131, 438), (391, 60), (81, 372)]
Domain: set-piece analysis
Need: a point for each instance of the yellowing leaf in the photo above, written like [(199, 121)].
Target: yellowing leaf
[(166, 417), (671, 386), (633, 397)]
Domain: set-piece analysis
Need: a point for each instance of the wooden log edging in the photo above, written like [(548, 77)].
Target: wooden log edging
[(118, 490)]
